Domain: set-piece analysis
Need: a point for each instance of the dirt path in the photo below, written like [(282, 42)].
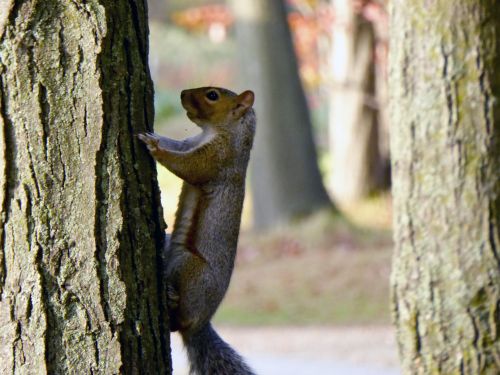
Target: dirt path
[(309, 350)]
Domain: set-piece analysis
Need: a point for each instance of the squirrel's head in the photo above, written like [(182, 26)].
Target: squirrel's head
[(215, 106)]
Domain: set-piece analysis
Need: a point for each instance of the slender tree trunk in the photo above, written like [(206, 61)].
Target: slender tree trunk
[(80, 210), (357, 164), (285, 177), (445, 141)]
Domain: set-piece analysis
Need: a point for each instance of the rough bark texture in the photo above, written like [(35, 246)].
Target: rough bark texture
[(81, 216), (445, 87), (285, 177), (358, 168)]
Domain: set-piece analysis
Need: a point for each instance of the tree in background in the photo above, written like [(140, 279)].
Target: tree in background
[(159, 9), (285, 177), (81, 216), (445, 144), (358, 165)]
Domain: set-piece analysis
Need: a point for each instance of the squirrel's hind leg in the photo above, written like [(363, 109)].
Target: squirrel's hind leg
[(172, 293)]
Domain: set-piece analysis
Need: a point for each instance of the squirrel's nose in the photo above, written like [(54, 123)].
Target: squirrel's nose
[(183, 94)]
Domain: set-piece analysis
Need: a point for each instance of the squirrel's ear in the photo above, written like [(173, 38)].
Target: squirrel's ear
[(244, 101)]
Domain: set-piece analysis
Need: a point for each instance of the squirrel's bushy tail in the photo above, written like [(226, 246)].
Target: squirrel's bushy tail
[(210, 355)]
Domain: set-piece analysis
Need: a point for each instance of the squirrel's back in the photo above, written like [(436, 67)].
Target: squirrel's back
[(209, 213)]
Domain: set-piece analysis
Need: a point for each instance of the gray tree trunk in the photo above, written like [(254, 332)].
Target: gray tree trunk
[(358, 167), (445, 139), (80, 210), (285, 178)]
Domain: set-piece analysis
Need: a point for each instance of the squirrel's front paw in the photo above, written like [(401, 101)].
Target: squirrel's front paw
[(151, 141)]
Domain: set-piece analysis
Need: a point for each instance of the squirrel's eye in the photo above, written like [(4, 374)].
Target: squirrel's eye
[(212, 95)]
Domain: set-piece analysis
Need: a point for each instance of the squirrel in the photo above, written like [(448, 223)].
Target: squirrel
[(200, 253)]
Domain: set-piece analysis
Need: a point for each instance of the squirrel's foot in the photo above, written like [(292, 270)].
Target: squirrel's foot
[(151, 140), (172, 297)]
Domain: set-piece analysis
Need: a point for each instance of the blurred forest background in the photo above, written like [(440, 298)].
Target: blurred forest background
[(316, 242)]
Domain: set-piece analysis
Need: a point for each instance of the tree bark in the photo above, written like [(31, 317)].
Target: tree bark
[(81, 218), (445, 143), (358, 167), (285, 178)]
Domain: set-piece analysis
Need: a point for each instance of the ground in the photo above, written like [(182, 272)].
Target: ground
[(367, 350), (322, 270)]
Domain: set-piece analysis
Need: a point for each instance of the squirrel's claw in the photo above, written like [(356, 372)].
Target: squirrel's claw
[(151, 140)]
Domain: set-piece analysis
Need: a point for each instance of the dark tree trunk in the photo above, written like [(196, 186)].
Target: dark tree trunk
[(445, 140), (285, 178), (81, 219)]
